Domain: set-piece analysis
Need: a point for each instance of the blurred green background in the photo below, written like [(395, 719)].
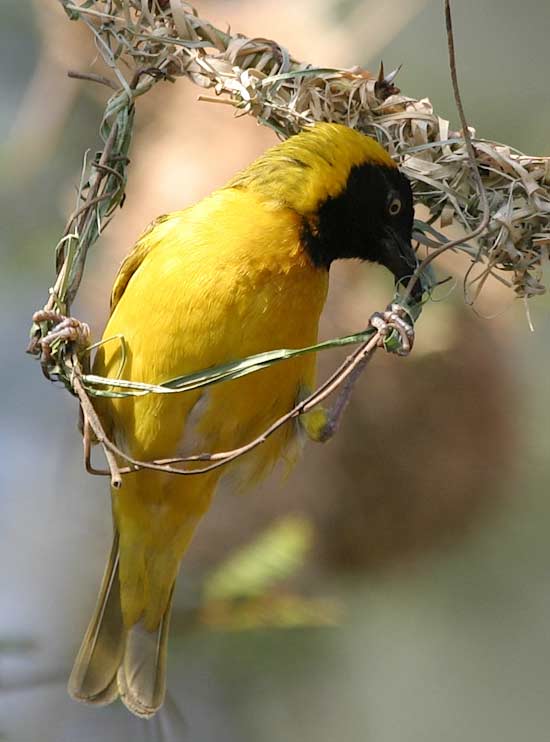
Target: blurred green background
[(430, 512)]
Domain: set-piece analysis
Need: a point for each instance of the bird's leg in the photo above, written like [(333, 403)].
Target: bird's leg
[(320, 425)]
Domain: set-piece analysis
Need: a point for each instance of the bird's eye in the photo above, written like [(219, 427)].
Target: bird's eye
[(395, 206)]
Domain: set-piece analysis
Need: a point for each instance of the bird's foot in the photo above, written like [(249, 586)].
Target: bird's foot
[(64, 329), (395, 328)]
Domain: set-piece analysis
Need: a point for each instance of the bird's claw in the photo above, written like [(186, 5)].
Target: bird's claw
[(394, 320), (65, 329)]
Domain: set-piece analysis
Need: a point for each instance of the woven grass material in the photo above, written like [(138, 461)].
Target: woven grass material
[(260, 77), (498, 195)]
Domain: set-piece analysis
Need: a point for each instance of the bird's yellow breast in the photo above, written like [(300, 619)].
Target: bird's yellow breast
[(219, 281)]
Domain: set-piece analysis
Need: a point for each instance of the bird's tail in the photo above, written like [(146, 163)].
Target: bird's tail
[(114, 660)]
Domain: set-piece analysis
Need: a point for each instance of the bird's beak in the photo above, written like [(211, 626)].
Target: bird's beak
[(400, 258)]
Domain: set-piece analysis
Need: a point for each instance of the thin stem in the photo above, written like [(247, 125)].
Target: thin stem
[(486, 216), (75, 75), (349, 369), (91, 419)]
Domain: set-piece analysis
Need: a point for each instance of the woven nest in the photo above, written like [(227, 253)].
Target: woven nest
[(496, 194), (144, 41)]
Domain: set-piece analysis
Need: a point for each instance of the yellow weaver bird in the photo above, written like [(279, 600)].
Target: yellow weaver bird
[(241, 272)]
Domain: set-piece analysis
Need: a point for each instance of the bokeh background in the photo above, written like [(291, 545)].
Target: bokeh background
[(423, 604)]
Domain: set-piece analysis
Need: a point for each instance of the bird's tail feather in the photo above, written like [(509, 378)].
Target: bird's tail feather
[(93, 678), (117, 661), (142, 673)]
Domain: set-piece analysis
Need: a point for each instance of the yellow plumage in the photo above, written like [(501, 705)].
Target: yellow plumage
[(224, 279), (212, 287)]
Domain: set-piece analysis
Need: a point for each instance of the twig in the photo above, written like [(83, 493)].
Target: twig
[(92, 77), (343, 378), (348, 369), (486, 215), (92, 420)]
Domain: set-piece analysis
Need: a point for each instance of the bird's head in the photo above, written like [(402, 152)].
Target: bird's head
[(354, 201)]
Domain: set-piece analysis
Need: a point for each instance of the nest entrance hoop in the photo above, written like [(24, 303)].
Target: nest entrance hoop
[(495, 193)]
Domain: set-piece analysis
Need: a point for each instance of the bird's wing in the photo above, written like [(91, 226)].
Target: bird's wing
[(147, 242)]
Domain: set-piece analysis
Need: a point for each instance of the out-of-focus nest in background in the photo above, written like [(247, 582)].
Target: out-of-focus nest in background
[(152, 40)]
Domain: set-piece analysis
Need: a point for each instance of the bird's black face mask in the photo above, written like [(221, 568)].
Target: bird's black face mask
[(372, 219)]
